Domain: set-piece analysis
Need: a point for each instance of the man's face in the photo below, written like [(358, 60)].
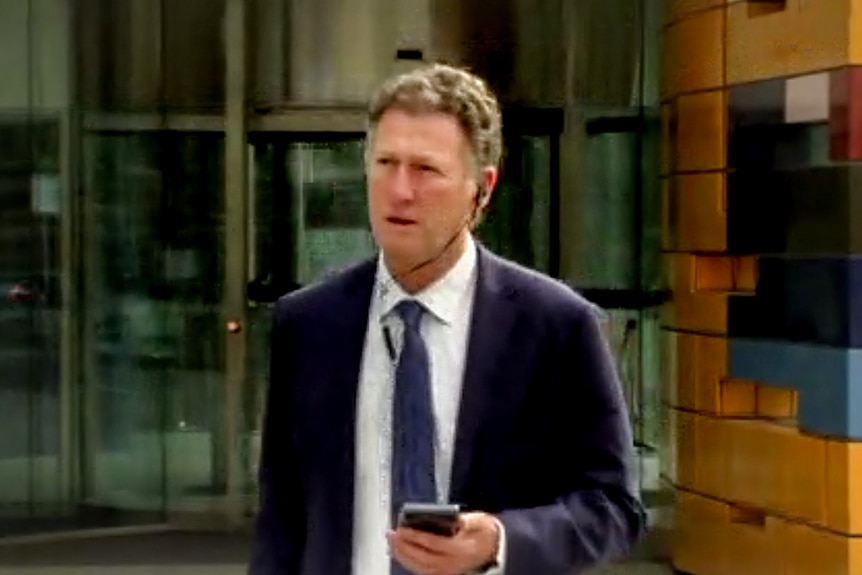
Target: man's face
[(421, 185)]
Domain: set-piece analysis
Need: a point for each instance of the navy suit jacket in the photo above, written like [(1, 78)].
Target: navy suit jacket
[(543, 438)]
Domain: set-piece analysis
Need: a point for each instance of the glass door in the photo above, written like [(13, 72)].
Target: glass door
[(31, 307), (308, 218), (153, 341)]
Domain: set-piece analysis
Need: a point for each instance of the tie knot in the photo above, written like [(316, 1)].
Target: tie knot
[(410, 312)]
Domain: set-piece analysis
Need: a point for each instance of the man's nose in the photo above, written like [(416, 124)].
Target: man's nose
[(401, 184)]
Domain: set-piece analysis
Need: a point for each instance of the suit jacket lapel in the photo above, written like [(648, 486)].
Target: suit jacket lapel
[(493, 320)]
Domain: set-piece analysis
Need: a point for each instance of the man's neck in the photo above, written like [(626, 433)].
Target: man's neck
[(415, 281)]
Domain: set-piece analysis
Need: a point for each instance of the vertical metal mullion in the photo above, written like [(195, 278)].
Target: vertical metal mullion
[(236, 249), (70, 378)]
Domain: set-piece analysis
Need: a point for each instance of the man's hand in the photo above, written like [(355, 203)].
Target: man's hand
[(472, 547)]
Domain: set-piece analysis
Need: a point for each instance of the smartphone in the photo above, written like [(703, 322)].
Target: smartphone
[(436, 518)]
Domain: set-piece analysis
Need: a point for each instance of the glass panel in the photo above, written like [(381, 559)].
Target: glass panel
[(608, 219), (329, 186), (311, 216), (153, 350), (30, 309), (517, 224), (310, 219)]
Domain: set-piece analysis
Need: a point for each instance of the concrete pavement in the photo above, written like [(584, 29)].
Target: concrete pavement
[(167, 553)]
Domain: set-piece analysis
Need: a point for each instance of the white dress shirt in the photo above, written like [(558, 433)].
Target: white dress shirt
[(445, 328)]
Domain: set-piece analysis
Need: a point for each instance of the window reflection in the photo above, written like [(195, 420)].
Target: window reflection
[(152, 296), (30, 322), (517, 224)]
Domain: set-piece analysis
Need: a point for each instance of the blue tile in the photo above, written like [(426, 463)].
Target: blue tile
[(829, 381)]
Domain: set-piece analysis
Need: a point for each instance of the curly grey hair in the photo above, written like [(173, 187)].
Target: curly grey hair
[(440, 88)]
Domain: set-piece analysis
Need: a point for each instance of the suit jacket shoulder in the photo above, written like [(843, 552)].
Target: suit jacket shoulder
[(546, 298), (326, 298)]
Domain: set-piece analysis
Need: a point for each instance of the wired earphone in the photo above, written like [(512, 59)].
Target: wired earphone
[(480, 200)]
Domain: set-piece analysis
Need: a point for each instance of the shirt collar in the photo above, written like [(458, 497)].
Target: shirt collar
[(441, 298)]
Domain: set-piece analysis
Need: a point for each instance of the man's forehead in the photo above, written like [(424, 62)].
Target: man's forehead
[(418, 141)]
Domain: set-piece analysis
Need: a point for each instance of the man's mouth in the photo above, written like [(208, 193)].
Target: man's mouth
[(400, 221)]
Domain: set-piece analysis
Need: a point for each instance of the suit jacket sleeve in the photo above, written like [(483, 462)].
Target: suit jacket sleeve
[(598, 516), (278, 538)]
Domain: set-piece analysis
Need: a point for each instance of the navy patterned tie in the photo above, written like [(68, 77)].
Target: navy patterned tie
[(413, 429)]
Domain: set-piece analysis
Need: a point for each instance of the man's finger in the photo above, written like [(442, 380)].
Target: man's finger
[(433, 543), (415, 558)]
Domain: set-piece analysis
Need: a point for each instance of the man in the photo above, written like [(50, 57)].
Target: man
[(440, 372)]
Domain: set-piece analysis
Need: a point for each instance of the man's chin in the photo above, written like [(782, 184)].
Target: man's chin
[(401, 261)]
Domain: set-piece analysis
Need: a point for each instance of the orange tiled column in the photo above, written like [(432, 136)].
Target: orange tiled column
[(762, 134)]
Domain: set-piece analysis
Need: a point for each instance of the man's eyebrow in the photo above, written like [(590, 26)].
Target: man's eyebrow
[(413, 158)]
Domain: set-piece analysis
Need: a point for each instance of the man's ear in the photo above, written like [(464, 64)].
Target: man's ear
[(487, 185)]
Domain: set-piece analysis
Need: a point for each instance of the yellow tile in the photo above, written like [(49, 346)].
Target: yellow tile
[(701, 378), (686, 449), (776, 402), (701, 219), (712, 365), (710, 456), (701, 131), (751, 464), (745, 273), (812, 551), (805, 36), (723, 273), (687, 372), (701, 540), (713, 272), (753, 546), (855, 23), (703, 312), (802, 473), (737, 398), (694, 53), (843, 489)]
